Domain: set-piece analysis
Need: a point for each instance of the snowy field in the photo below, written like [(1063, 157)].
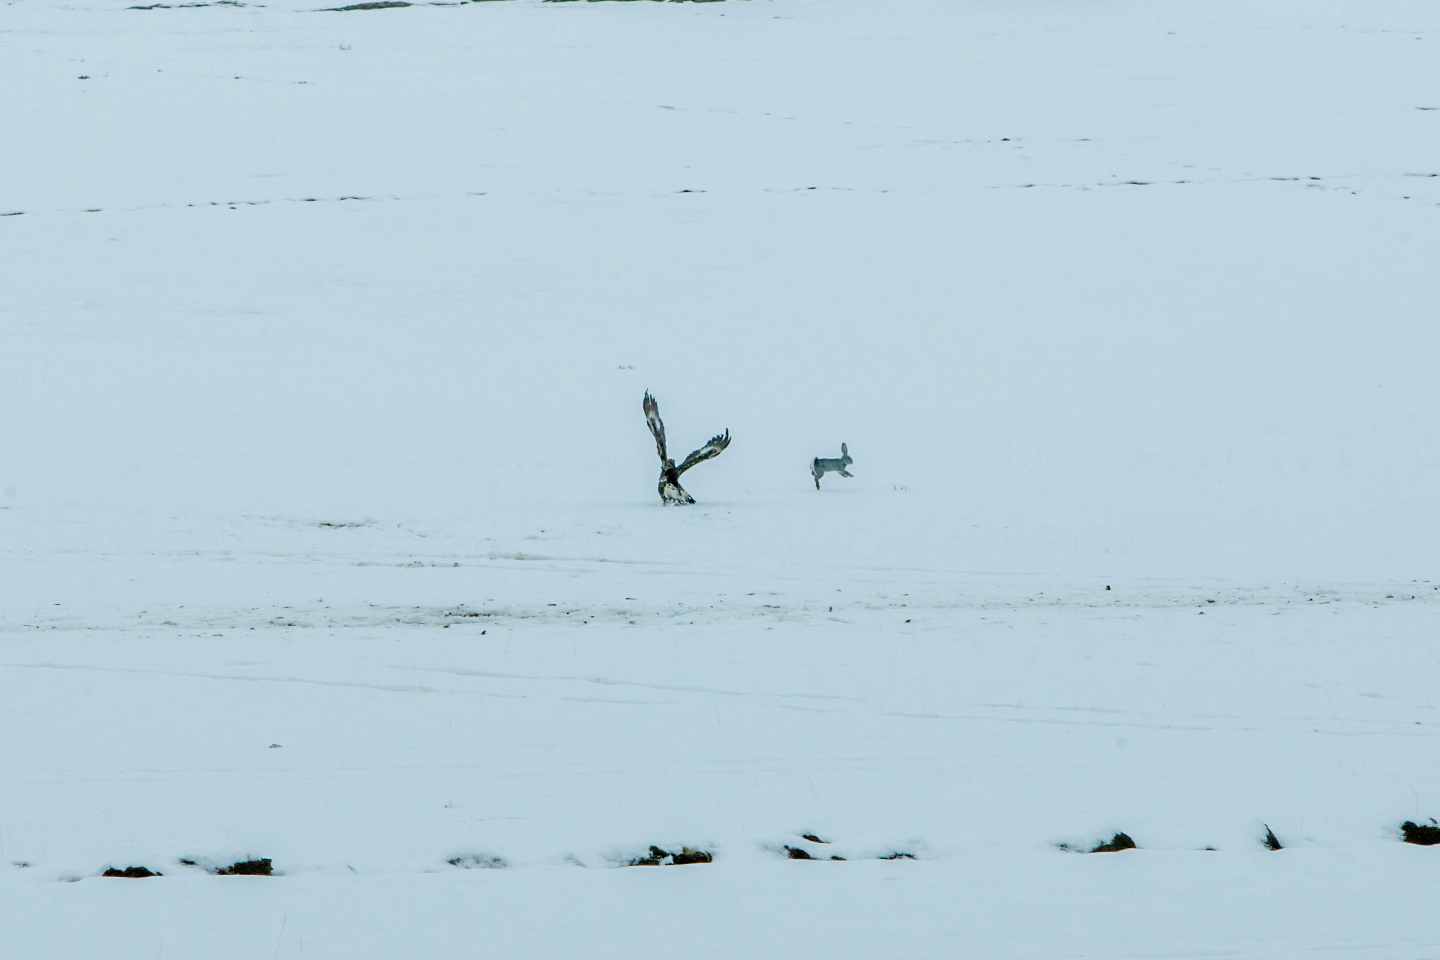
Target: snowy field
[(328, 525)]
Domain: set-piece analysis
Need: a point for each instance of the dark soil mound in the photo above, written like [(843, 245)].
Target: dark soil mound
[(1424, 834), (1271, 841), (1121, 841), (900, 856), (134, 873), (812, 838), (247, 868), (796, 853)]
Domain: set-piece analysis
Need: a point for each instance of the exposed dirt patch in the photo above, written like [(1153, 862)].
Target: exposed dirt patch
[(381, 5), (1423, 834), (478, 861), (657, 857), (688, 855), (800, 853), (664, 858), (133, 873), (246, 868)]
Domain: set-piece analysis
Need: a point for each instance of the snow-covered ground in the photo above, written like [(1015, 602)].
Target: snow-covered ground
[(328, 526)]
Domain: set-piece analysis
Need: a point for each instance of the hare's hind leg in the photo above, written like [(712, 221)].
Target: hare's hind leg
[(844, 473)]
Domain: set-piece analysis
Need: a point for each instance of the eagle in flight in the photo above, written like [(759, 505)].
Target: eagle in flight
[(670, 490)]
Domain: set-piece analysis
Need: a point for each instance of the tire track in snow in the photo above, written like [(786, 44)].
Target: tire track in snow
[(605, 681)]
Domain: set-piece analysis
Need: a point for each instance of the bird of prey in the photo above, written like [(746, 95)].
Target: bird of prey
[(670, 490)]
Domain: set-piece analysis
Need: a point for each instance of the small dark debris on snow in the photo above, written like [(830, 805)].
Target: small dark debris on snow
[(798, 853), (478, 861), (273, 746), (381, 5), (1424, 834), (1121, 841), (247, 868), (187, 863), (812, 838), (897, 855), (1271, 841), (837, 858), (664, 858), (133, 873)]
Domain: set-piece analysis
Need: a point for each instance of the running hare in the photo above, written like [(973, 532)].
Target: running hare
[(823, 465)]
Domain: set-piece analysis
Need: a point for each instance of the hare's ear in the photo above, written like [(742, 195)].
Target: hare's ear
[(844, 449)]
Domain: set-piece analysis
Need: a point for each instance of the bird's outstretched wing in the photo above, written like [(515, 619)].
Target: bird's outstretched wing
[(657, 426), (711, 449)]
